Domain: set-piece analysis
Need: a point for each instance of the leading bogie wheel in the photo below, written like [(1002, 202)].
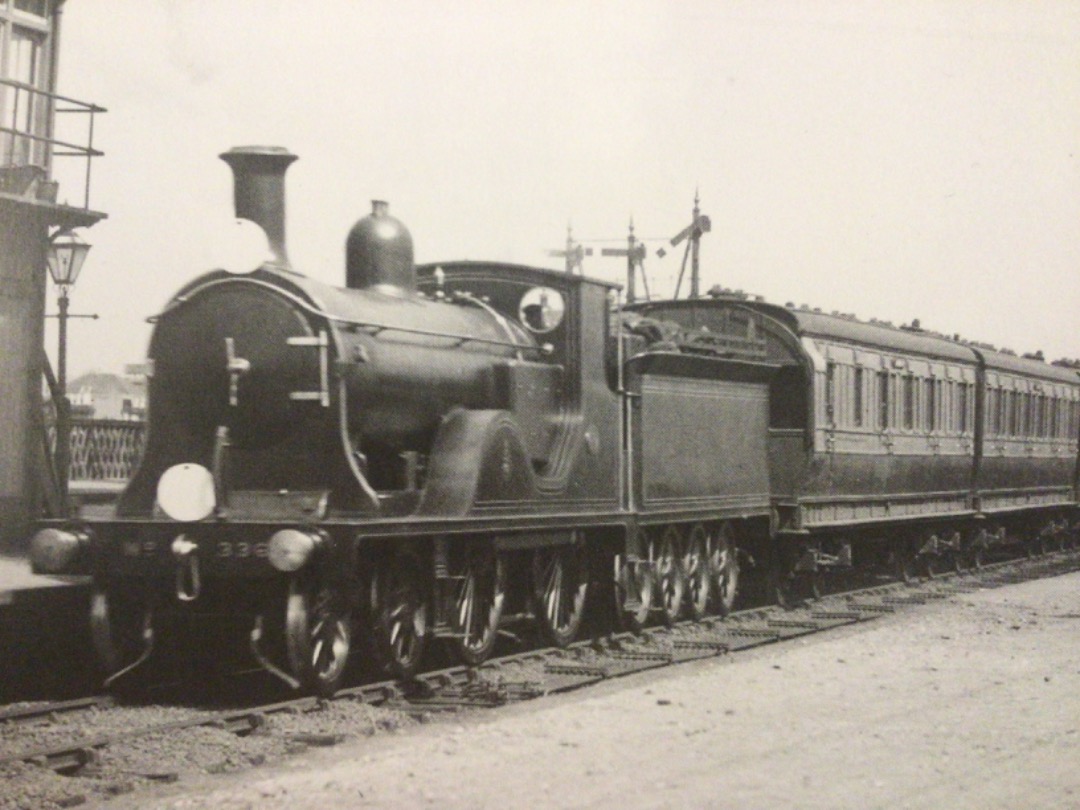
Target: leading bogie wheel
[(477, 602), (560, 581), (724, 568), (697, 563), (398, 604), (670, 576), (318, 634)]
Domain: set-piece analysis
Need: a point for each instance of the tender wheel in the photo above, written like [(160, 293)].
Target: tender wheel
[(477, 604), (120, 627), (560, 581), (928, 565), (669, 575), (724, 569), (318, 635), (399, 613), (635, 585), (697, 563)]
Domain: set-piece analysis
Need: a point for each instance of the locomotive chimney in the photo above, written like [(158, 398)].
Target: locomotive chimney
[(379, 254), (259, 190)]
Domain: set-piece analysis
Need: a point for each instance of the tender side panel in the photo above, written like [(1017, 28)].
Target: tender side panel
[(703, 445)]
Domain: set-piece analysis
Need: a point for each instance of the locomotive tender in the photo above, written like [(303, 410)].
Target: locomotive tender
[(437, 451)]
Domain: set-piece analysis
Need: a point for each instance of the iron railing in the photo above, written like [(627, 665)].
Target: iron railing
[(103, 449), (30, 125)]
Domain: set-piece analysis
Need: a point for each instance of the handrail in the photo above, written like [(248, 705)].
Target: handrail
[(87, 106), (371, 327), (32, 130)]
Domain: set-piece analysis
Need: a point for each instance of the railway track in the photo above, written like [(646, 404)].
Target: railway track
[(522, 676)]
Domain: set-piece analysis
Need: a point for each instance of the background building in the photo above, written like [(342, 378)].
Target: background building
[(99, 395)]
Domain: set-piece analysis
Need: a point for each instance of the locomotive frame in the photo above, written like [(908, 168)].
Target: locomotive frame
[(434, 452)]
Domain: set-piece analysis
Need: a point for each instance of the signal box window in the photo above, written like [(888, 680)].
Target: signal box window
[(36, 7), (22, 59)]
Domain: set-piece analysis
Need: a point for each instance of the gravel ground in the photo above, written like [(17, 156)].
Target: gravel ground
[(972, 703), (167, 756)]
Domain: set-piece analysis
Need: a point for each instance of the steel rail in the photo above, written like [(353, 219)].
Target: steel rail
[(588, 661)]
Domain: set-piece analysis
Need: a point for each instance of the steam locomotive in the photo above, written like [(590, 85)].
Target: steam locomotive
[(435, 452)]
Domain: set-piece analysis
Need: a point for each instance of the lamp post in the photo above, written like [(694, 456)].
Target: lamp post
[(67, 252)]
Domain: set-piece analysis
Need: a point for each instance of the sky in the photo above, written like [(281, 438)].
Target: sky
[(894, 160)]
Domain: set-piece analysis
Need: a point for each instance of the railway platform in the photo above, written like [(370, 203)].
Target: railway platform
[(44, 649), (19, 585)]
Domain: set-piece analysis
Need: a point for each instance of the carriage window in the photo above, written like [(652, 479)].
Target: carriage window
[(909, 402), (962, 405), (857, 399), (541, 309), (830, 392), (883, 399), (932, 397)]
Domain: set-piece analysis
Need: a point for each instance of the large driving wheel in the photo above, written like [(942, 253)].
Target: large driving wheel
[(398, 603), (480, 577), (670, 576), (560, 581), (318, 635), (699, 576), (724, 569)]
